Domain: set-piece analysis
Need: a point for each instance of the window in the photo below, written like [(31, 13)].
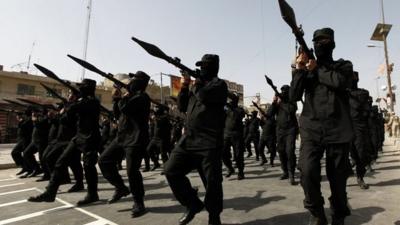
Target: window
[(24, 89)]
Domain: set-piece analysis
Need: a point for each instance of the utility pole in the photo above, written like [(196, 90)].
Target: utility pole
[(388, 67), (380, 34), (161, 86), (29, 57), (161, 90), (85, 44)]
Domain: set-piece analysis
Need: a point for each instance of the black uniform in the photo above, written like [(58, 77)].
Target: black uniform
[(51, 140), (201, 144), (286, 131), (381, 127), (268, 136), (233, 137), (24, 136), (105, 128), (132, 138), (177, 127), (87, 140), (362, 145), (375, 131), (160, 142), (325, 125), (66, 131), (253, 135), (38, 143)]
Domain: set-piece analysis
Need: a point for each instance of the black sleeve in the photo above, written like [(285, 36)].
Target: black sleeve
[(297, 86), (338, 77), (273, 110), (116, 110), (214, 92), (132, 105), (183, 99)]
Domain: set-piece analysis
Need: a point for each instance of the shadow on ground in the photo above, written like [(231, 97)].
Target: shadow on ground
[(358, 217), (249, 203), (388, 168), (387, 183)]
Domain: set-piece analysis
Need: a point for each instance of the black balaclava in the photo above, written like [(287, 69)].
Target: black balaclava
[(285, 92), (139, 82), (233, 100), (370, 100), (158, 110), (87, 87), (209, 67), (28, 112), (375, 109), (254, 114), (354, 81), (324, 44)]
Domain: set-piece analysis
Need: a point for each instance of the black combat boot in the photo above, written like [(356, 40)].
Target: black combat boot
[(284, 176), (191, 212), (337, 220), (118, 194), (89, 198), (230, 172), (291, 179), (214, 220), (362, 183), (240, 175), (318, 220), (138, 209), (76, 187), (46, 196)]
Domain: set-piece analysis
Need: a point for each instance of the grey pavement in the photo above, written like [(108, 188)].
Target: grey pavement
[(6, 161), (259, 199)]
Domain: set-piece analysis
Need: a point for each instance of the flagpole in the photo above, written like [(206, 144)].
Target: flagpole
[(85, 44)]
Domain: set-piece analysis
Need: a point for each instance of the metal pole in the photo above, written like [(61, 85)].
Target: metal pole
[(85, 46), (388, 70), (161, 91)]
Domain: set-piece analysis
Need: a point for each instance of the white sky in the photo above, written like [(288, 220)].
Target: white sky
[(249, 35)]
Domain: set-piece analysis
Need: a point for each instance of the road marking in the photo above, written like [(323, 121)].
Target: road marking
[(31, 215), (22, 190), (13, 203), (8, 179), (101, 220), (10, 185), (98, 222)]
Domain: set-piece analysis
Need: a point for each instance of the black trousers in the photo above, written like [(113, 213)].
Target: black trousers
[(209, 164), (252, 138), (53, 153), (109, 166), (29, 155), (374, 144), (108, 163), (89, 149), (337, 170), (237, 143), (361, 151), (156, 147), (286, 145), (270, 143), (16, 154)]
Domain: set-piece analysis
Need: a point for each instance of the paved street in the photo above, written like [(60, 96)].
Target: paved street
[(259, 199)]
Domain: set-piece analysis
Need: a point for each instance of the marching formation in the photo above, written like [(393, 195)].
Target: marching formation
[(337, 120)]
